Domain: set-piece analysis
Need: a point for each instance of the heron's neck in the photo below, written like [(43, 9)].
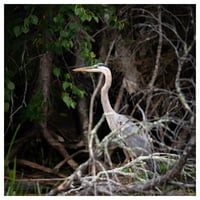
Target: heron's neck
[(104, 95)]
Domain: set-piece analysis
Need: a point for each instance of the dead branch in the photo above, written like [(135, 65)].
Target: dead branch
[(159, 48), (39, 167), (60, 164), (59, 147), (119, 97)]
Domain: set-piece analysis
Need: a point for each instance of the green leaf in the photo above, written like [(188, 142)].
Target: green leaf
[(86, 18), (68, 101), (92, 54), (34, 19), (56, 72), (73, 27), (17, 31), (78, 10), (10, 85), (96, 19), (73, 104), (67, 76), (59, 19), (67, 44), (65, 85), (70, 43), (77, 91), (25, 29), (63, 33), (26, 22), (55, 19)]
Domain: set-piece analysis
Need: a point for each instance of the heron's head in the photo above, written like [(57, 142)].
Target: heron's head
[(94, 68)]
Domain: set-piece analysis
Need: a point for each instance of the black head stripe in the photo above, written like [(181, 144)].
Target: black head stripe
[(102, 65)]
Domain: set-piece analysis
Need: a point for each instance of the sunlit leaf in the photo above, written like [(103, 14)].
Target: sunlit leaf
[(92, 54)]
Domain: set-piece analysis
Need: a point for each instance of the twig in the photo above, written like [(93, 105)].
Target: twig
[(177, 84), (157, 64), (155, 73), (181, 184), (39, 167), (60, 164), (119, 97), (35, 179)]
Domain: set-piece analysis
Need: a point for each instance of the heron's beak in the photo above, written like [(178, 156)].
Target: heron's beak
[(84, 69)]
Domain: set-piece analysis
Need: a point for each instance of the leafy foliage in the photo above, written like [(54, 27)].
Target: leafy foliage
[(25, 27), (68, 86), (85, 14), (50, 28), (34, 110), (32, 30)]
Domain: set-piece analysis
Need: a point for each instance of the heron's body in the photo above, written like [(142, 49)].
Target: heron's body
[(131, 134)]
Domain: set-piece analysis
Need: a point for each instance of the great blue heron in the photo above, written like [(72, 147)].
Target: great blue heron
[(135, 139)]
